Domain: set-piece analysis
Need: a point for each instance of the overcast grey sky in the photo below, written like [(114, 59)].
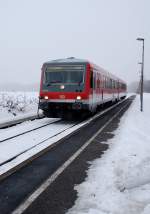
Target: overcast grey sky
[(103, 31)]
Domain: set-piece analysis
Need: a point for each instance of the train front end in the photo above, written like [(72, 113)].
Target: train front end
[(64, 88)]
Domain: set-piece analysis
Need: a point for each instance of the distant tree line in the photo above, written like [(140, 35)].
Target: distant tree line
[(147, 86), (19, 87), (135, 86)]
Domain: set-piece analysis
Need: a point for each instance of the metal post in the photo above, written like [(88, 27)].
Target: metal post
[(142, 74), (142, 77)]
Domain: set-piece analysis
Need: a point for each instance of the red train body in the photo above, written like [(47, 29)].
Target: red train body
[(74, 85)]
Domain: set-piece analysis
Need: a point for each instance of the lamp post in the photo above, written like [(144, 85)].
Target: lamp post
[(140, 86), (142, 73)]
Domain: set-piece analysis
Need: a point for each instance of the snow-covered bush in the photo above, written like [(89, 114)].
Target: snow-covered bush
[(15, 102)]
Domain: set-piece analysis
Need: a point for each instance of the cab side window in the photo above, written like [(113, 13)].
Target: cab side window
[(91, 79), (94, 80)]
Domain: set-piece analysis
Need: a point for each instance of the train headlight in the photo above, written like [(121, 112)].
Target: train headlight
[(46, 97), (62, 87), (78, 98)]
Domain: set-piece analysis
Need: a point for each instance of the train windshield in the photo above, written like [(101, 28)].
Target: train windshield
[(67, 74)]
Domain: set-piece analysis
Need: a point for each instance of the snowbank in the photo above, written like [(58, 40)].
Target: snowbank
[(13, 104), (119, 182)]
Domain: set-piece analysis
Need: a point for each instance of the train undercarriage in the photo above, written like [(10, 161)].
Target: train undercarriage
[(71, 110)]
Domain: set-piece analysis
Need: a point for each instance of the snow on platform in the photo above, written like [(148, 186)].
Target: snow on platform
[(119, 182)]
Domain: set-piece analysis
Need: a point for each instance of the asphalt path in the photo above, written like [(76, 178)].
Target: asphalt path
[(60, 195)]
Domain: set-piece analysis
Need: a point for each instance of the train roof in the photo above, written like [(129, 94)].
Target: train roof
[(67, 60), (71, 60), (105, 72)]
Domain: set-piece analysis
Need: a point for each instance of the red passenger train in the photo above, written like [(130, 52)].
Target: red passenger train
[(75, 85)]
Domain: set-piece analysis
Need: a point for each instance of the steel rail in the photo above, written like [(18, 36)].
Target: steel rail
[(12, 158), (17, 135)]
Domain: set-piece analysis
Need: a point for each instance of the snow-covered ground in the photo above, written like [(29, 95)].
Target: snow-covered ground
[(29, 144), (17, 104), (33, 142), (28, 141), (119, 182)]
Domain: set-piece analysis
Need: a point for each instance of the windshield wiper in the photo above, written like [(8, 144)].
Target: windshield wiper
[(51, 82), (79, 82), (57, 81), (48, 84)]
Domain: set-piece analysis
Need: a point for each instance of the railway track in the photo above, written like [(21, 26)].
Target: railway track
[(55, 127), (47, 138), (21, 132), (27, 143), (53, 161)]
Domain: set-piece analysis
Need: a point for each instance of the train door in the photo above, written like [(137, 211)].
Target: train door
[(118, 85), (93, 91), (103, 89)]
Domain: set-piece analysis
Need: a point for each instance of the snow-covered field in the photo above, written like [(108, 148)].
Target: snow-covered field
[(119, 182), (16, 104)]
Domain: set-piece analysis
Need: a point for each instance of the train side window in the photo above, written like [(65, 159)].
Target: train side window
[(118, 85), (103, 82), (94, 80), (109, 83), (91, 79), (97, 80), (100, 83), (113, 84)]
